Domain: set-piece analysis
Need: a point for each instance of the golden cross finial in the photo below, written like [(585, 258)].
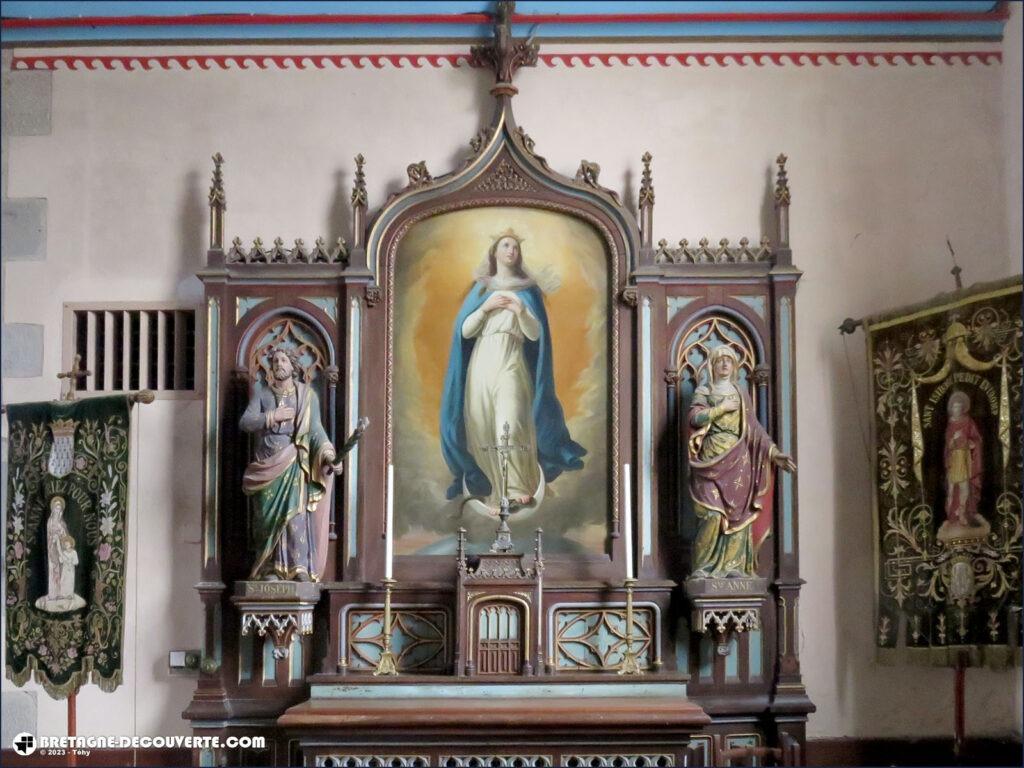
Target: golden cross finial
[(73, 375)]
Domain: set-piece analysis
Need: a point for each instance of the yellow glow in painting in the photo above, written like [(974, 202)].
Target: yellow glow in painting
[(438, 263)]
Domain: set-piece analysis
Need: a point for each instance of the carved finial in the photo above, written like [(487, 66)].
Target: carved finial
[(418, 174), (646, 200), (503, 54), (359, 187), (588, 174), (781, 182), (782, 209), (478, 142), (217, 188), (646, 183), (218, 204)]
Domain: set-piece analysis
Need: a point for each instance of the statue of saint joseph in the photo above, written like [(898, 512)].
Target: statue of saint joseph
[(290, 479)]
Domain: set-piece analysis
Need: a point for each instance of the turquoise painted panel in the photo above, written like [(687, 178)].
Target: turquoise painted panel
[(295, 660), (676, 303), (269, 662), (786, 347), (218, 635), (647, 430), (707, 659), (352, 409), (491, 690), (683, 644), (327, 304), (245, 647), (756, 303), (211, 480), (732, 661), (756, 650), (245, 304)]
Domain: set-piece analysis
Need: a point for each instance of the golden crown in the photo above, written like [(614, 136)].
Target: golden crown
[(508, 233), (63, 428)]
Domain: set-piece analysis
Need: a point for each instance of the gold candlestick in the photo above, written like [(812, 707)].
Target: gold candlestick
[(386, 665), (630, 664)]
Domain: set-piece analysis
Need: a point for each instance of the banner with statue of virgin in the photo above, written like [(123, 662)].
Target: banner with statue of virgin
[(67, 502), (946, 396)]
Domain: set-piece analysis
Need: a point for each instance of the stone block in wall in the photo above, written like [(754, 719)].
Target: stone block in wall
[(18, 714), (23, 350), (24, 229), (26, 103)]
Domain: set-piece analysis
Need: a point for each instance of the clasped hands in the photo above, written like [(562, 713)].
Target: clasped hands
[(502, 301)]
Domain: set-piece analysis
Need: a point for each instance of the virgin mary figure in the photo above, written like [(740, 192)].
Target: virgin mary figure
[(61, 560), (500, 372)]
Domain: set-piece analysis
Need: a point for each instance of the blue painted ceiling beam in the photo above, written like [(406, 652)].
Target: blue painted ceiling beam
[(127, 22)]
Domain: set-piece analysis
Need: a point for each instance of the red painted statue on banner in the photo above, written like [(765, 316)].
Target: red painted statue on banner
[(962, 462)]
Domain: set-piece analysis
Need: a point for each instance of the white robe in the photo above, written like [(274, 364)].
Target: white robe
[(499, 390), (60, 566)]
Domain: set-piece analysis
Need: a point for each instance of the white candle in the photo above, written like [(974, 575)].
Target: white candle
[(627, 516), (389, 524)]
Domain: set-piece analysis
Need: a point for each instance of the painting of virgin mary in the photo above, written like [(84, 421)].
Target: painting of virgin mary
[(501, 316), (500, 374)]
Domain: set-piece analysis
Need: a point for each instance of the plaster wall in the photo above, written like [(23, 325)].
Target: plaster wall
[(885, 162)]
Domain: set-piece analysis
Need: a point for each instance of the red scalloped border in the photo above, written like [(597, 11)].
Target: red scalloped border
[(191, 62)]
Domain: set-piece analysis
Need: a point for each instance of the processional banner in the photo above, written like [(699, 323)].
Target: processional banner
[(946, 391), (67, 501)]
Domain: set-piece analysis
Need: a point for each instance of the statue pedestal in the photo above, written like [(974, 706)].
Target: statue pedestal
[(281, 609), (726, 607)]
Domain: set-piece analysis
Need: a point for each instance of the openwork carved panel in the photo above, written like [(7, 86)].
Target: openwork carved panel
[(594, 640), (372, 761), (419, 639), (615, 761), (290, 333), (497, 761), (702, 337)]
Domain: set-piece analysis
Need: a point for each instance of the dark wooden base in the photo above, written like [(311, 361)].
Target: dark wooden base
[(456, 723), (823, 752)]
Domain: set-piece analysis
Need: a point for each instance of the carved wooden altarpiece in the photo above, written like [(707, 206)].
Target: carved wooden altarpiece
[(503, 657)]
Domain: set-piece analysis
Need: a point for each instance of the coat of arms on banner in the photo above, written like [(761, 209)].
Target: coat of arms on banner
[(946, 390), (62, 454), (65, 548)]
